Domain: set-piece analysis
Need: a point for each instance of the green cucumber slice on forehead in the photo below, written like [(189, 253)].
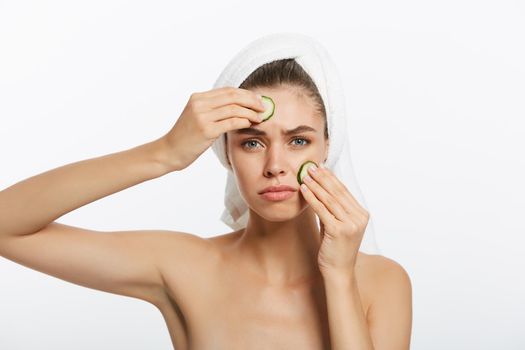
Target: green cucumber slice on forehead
[(270, 108), (303, 170)]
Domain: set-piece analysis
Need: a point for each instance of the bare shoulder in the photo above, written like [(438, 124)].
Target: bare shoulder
[(177, 250), (183, 246), (225, 238), (182, 257), (380, 269), (382, 264), (190, 248), (378, 275), (388, 281)]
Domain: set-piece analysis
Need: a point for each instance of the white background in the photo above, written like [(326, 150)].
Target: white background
[(435, 93)]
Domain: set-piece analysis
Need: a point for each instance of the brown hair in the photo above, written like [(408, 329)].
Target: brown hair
[(287, 72)]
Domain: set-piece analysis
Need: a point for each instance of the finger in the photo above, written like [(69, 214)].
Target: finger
[(325, 198), (214, 92), (231, 95), (318, 207), (230, 111), (229, 124), (333, 198), (217, 91), (336, 188)]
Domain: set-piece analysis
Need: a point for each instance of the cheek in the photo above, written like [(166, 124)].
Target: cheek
[(246, 176), (241, 159), (248, 187)]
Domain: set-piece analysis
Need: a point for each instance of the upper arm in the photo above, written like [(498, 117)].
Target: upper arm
[(125, 262), (390, 314)]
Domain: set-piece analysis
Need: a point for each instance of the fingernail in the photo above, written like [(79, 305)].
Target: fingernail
[(312, 168)]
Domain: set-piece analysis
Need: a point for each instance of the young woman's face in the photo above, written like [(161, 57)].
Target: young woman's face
[(263, 155)]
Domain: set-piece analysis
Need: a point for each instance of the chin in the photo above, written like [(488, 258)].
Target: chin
[(278, 211)]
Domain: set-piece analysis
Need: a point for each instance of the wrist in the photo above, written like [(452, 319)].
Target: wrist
[(339, 277), (163, 156)]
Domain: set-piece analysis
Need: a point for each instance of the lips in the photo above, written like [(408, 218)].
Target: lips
[(277, 195), (277, 188)]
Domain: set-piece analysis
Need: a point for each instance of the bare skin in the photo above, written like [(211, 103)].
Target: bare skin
[(226, 304), (281, 237), (259, 286), (263, 285)]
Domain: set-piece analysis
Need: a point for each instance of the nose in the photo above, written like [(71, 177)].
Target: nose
[(275, 164), (273, 171)]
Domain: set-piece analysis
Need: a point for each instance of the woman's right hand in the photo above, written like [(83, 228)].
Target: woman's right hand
[(206, 116)]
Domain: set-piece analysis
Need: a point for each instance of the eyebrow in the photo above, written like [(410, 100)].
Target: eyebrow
[(257, 132)]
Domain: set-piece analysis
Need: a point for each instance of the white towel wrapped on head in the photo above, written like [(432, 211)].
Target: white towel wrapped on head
[(314, 59)]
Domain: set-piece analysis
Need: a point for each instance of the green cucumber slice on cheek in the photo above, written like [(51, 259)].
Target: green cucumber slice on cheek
[(270, 108), (303, 170)]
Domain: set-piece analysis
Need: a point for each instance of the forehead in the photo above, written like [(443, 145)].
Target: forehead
[(291, 110)]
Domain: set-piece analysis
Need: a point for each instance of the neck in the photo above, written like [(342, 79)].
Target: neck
[(283, 253)]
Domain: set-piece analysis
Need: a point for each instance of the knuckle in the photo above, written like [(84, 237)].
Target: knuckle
[(355, 228), (194, 96), (195, 104), (191, 106), (233, 110), (243, 123), (232, 92), (233, 124)]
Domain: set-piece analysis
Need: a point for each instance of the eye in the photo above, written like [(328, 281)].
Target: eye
[(303, 139), (247, 142), (253, 141)]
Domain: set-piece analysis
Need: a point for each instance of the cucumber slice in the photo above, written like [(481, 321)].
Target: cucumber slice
[(270, 108), (303, 170)]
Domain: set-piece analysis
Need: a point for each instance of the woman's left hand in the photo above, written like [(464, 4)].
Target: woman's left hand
[(342, 220)]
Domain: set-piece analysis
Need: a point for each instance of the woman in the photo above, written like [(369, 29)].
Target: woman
[(277, 283)]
